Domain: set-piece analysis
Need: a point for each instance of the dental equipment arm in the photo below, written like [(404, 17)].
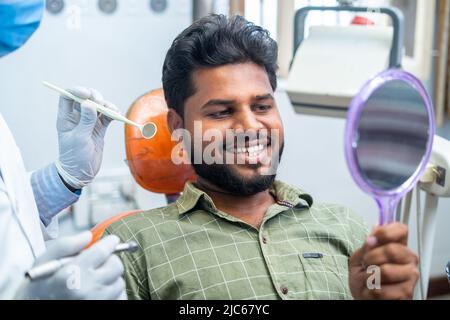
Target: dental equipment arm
[(435, 182)]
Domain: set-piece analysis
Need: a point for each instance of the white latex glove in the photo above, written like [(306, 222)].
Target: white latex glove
[(95, 273), (81, 131)]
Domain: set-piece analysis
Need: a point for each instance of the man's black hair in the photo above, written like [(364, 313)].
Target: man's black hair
[(213, 41)]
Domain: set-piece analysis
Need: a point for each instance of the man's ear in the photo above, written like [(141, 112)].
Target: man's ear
[(174, 120)]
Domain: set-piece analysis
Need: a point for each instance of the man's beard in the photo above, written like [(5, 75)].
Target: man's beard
[(226, 178)]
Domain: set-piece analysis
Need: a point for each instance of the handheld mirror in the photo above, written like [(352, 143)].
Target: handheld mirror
[(389, 137)]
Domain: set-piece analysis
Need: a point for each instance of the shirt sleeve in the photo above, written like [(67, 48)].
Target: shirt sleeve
[(50, 193), (358, 228)]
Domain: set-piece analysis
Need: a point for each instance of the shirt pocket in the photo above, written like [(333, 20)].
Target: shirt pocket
[(325, 276)]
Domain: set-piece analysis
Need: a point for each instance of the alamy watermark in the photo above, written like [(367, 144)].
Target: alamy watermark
[(374, 280), (230, 146)]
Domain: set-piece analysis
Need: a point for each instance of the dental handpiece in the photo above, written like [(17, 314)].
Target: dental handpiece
[(51, 267)]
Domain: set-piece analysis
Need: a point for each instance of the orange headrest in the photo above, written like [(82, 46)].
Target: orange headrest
[(99, 229), (149, 160)]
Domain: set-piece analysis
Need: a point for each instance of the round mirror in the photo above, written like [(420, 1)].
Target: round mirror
[(389, 135)]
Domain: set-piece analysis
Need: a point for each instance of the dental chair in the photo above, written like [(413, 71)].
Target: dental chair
[(150, 160)]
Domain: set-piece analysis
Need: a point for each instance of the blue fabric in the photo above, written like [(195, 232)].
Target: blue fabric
[(50, 193), (18, 21)]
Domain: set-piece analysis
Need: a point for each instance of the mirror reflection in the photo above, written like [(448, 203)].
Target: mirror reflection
[(392, 135)]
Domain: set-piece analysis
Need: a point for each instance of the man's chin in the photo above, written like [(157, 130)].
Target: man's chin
[(241, 182), (241, 179), (249, 171)]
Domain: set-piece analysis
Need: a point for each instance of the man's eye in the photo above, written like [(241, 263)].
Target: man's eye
[(262, 107), (219, 114)]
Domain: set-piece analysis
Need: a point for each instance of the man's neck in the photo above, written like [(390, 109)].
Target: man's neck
[(250, 209)]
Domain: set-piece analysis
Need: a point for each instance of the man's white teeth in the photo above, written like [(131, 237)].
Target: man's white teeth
[(252, 151), (255, 149)]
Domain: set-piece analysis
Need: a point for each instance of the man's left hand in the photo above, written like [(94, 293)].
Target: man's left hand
[(392, 264)]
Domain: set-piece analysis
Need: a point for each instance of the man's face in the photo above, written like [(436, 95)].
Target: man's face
[(236, 99)]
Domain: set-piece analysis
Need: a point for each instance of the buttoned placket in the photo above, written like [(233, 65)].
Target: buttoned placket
[(264, 242)]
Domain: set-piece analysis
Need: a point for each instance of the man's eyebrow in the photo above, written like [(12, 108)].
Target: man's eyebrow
[(263, 97), (215, 102), (224, 102)]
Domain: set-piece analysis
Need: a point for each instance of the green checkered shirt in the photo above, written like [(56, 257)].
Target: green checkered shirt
[(191, 250)]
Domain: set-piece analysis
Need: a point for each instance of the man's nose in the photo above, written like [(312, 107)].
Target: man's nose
[(247, 120)]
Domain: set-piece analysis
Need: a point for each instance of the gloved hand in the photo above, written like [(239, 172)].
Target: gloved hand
[(80, 135), (95, 273)]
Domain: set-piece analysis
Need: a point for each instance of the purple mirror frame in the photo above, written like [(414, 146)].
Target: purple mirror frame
[(385, 199)]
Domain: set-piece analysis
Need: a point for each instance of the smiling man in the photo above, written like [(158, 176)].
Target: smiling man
[(237, 233)]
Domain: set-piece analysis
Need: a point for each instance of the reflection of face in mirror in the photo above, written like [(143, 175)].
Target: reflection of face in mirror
[(392, 135)]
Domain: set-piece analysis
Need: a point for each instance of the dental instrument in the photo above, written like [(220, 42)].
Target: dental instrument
[(147, 130), (51, 267)]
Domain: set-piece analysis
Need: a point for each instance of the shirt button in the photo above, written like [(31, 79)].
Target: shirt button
[(284, 289), (264, 240)]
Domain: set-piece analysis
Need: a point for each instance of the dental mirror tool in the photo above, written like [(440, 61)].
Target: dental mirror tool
[(147, 130)]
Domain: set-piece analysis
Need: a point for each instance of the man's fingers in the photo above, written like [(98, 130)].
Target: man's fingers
[(392, 232), (400, 291), (395, 273), (358, 255), (390, 253), (99, 253)]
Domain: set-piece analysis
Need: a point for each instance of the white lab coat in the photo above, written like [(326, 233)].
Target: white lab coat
[(21, 231)]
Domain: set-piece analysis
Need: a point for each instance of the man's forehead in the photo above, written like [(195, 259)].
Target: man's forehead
[(232, 82), (230, 72)]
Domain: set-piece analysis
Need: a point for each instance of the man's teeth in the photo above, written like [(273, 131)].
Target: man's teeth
[(250, 150)]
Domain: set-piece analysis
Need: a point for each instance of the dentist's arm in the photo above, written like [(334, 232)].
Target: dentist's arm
[(81, 132)]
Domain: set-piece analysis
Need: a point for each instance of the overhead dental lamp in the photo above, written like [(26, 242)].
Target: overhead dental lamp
[(333, 62)]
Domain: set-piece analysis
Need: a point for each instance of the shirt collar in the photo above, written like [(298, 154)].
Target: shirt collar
[(285, 195)]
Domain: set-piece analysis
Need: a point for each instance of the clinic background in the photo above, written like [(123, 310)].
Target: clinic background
[(118, 47)]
